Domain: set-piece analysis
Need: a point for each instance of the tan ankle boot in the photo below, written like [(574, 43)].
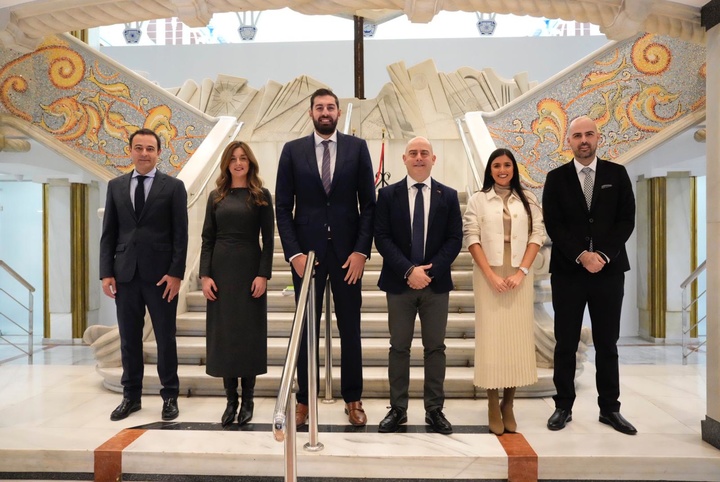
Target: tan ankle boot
[(494, 417), (506, 408)]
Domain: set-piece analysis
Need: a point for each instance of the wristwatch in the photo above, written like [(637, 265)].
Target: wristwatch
[(524, 270)]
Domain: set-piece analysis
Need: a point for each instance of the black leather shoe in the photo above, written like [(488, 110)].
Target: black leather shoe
[(393, 419), (438, 422), (618, 422), (246, 412), (170, 409), (559, 419), (125, 408)]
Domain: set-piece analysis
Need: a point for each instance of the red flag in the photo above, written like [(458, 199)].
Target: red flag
[(378, 175)]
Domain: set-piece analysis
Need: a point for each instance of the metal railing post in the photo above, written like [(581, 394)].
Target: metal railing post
[(328, 347), (312, 341), (290, 455)]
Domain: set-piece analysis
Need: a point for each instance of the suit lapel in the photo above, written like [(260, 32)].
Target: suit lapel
[(402, 201), (435, 200), (158, 185), (311, 160), (339, 158), (125, 186), (574, 180)]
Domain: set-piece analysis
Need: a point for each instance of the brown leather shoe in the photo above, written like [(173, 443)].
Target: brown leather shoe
[(301, 414), (356, 414)]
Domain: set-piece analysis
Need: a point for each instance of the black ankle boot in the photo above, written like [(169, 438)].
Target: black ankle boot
[(228, 415), (246, 408), (246, 411)]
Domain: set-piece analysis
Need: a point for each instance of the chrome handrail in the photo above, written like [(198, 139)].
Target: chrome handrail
[(29, 308), (687, 305), (285, 431)]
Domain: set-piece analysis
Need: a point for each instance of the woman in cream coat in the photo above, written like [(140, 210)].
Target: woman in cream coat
[(503, 230)]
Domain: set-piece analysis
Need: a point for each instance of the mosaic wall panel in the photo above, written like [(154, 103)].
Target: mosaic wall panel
[(71, 93), (633, 91)]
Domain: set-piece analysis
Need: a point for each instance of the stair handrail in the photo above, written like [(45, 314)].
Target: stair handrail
[(284, 429), (212, 172), (687, 305), (29, 308), (471, 159)]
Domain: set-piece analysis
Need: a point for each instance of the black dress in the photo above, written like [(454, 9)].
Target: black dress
[(231, 255)]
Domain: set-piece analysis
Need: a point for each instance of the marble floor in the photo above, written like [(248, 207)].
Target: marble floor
[(54, 425)]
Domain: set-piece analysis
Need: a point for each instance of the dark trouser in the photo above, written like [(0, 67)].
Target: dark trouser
[(348, 301), (130, 301), (433, 311), (603, 295)]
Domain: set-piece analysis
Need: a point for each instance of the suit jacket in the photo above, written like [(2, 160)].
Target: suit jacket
[(304, 211), (570, 224), (156, 243), (393, 236)]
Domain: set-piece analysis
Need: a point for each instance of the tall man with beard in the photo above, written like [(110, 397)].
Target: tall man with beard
[(325, 201), (589, 211)]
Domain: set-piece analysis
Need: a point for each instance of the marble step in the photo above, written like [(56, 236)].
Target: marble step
[(463, 261), (374, 325), (192, 351), (373, 301), (194, 381), (282, 278)]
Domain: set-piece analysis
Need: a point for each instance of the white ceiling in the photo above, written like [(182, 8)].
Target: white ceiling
[(24, 22)]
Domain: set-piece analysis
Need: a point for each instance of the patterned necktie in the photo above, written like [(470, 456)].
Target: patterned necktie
[(588, 185), (327, 182), (140, 195), (417, 247)]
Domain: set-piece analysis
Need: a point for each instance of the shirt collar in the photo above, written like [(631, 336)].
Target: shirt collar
[(149, 174), (411, 182), (579, 167), (318, 139)]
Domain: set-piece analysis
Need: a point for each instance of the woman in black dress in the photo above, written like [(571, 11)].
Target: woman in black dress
[(234, 270)]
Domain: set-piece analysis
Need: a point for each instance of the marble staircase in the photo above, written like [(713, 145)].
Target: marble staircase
[(281, 305)]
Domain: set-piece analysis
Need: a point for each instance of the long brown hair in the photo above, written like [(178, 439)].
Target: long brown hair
[(515, 185), (254, 181)]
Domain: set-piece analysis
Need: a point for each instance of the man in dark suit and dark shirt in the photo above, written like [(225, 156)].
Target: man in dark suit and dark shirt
[(418, 232), (589, 211), (142, 262), (325, 200)]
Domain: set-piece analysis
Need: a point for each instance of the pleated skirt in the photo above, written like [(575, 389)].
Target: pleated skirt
[(504, 331)]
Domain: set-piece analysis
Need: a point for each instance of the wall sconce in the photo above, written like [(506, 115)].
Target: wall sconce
[(247, 30), (132, 34), (486, 23), (369, 29)]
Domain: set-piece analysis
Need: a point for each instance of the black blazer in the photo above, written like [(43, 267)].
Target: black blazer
[(570, 225), (303, 209), (393, 236), (156, 243)]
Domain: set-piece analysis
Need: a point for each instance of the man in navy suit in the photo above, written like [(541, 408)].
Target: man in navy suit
[(142, 262), (325, 200), (589, 211), (418, 232)]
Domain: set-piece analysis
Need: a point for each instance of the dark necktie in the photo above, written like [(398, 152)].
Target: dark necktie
[(588, 190), (140, 195), (418, 228), (588, 185), (327, 182)]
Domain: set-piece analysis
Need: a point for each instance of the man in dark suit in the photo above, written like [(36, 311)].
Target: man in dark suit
[(589, 211), (142, 261), (418, 232), (325, 199)]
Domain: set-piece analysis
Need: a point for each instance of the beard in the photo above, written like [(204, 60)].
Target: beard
[(325, 129), (589, 154)]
